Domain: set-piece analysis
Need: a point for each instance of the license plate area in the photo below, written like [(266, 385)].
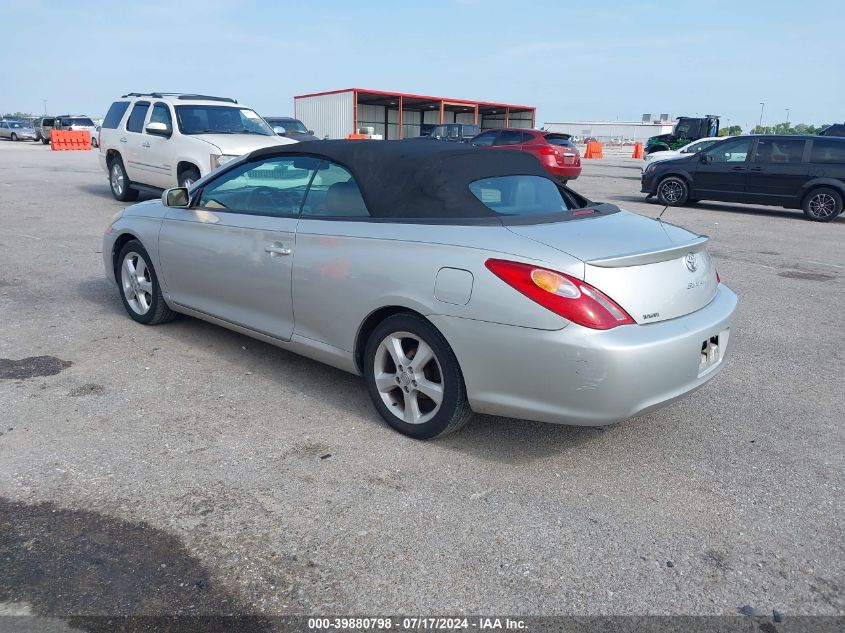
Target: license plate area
[(712, 352)]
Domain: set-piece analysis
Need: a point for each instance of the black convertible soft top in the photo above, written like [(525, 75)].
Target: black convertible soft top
[(417, 179)]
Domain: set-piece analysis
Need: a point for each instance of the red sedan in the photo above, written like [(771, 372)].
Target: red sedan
[(556, 152)]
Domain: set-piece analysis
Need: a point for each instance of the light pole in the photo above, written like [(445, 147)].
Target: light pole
[(787, 118), (45, 106), (760, 124)]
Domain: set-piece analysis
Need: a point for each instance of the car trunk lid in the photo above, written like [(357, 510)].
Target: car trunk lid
[(655, 271)]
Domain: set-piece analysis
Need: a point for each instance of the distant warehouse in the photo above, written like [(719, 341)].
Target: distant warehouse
[(605, 131), (339, 113)]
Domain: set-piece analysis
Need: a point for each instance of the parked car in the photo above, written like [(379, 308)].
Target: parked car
[(158, 140), (690, 148), (290, 128), (16, 131), (42, 128), (837, 129), (76, 122), (454, 132), (453, 279), (806, 172), (555, 151)]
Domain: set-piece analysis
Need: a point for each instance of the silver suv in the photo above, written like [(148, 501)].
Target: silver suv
[(154, 141)]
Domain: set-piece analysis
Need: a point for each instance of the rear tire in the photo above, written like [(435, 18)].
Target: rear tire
[(45, 140), (822, 204), (119, 182), (14, 137), (414, 379), (139, 287), (673, 191)]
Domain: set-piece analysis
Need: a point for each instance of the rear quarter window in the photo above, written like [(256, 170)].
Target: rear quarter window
[(825, 151), (519, 195), (115, 114)]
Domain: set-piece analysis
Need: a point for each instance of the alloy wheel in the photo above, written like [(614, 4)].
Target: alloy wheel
[(672, 191), (137, 283), (118, 180), (822, 205), (408, 377)]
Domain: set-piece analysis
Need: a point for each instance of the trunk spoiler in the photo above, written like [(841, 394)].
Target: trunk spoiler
[(651, 257)]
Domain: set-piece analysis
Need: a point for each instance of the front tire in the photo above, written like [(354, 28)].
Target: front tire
[(673, 191), (139, 287), (119, 182), (14, 137), (414, 379), (822, 205), (188, 177)]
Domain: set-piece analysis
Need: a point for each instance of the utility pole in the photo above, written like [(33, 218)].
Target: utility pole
[(760, 125)]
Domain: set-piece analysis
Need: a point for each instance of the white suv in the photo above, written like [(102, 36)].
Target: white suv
[(150, 142)]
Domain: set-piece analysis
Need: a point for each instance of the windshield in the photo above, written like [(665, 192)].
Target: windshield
[(519, 195), (78, 121), (290, 125), (207, 119)]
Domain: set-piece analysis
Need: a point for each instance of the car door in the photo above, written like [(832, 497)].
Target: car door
[(510, 139), (156, 154), (486, 139), (720, 172), (230, 254), (4, 130), (130, 144), (778, 171)]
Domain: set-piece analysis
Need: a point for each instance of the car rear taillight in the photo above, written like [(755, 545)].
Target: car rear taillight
[(548, 150), (567, 296), (718, 279)]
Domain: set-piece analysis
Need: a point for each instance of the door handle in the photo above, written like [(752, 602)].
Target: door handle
[(738, 168), (277, 249), (123, 140), (145, 144), (756, 169)]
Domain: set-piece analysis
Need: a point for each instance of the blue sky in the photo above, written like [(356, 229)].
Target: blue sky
[(572, 59)]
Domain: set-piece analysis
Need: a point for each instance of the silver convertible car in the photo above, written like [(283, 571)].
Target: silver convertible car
[(454, 279)]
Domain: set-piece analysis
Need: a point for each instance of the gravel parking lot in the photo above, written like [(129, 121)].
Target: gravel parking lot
[(188, 469)]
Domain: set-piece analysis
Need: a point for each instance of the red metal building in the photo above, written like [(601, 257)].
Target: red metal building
[(338, 113)]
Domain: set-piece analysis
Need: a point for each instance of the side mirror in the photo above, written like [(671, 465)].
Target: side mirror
[(705, 159), (177, 197), (280, 130), (158, 129), (311, 132)]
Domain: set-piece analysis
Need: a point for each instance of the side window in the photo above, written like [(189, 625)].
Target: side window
[(509, 137), (115, 114), (136, 119), (334, 193), (828, 151), (486, 139), (161, 114), (731, 152), (780, 151), (275, 186)]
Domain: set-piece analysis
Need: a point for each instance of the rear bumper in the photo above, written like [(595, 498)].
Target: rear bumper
[(566, 172), (588, 377)]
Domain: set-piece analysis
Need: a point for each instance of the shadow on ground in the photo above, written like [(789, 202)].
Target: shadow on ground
[(777, 213), (103, 191), (101, 574)]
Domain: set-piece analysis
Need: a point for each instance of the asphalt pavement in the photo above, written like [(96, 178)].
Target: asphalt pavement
[(188, 469)]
